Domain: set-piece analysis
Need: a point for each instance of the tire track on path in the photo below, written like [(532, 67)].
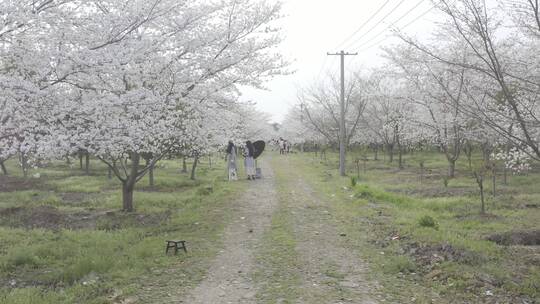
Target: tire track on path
[(229, 279), (331, 272)]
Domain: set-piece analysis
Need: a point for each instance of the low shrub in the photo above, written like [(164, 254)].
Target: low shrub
[(19, 258), (397, 264), (354, 181), (427, 221), (205, 190)]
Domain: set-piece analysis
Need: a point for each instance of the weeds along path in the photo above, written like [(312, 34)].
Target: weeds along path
[(331, 272), (229, 279)]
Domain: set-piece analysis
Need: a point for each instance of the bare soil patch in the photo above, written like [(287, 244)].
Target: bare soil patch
[(430, 255), (11, 184), (525, 238), (51, 218), (74, 197)]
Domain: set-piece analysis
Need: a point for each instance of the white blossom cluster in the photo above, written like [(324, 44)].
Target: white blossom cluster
[(121, 79), (516, 160)]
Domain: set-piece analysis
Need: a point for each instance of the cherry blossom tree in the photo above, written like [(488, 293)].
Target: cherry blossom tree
[(253, 124), (297, 129), (388, 117), (122, 79), (320, 105), (504, 83), (439, 92)]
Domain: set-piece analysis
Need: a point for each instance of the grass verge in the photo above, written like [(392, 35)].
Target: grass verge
[(94, 254), (426, 243)]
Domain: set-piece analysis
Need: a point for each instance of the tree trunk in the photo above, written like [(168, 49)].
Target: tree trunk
[(505, 175), (400, 155), (493, 181), (194, 167), (210, 161), (468, 148), (505, 169), (483, 208), (24, 165), (486, 152), (480, 182), (451, 168), (390, 153), (150, 173), (127, 196), (87, 163), (128, 185), (4, 169), (81, 160), (184, 165), (376, 156)]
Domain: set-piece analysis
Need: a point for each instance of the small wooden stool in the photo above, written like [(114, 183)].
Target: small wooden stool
[(177, 245)]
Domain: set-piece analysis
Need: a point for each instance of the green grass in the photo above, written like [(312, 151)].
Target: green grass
[(278, 261), (388, 203), (83, 184), (386, 214), (91, 265)]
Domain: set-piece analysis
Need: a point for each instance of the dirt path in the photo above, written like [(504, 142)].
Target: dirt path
[(229, 279), (332, 273)]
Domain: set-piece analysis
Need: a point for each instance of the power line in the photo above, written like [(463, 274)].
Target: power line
[(378, 34), (376, 24), (402, 28), (392, 24), (416, 19), (363, 24)]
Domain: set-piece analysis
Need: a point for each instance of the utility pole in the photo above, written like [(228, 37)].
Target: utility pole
[(342, 130)]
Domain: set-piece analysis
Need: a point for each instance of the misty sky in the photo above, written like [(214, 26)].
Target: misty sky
[(312, 28)]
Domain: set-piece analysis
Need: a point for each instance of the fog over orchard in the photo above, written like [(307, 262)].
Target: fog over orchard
[(139, 154), (131, 82), (474, 82)]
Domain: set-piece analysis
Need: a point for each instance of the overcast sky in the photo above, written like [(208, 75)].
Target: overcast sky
[(312, 28)]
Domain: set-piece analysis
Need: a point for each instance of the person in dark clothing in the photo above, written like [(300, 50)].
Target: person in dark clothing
[(230, 147), (249, 160)]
